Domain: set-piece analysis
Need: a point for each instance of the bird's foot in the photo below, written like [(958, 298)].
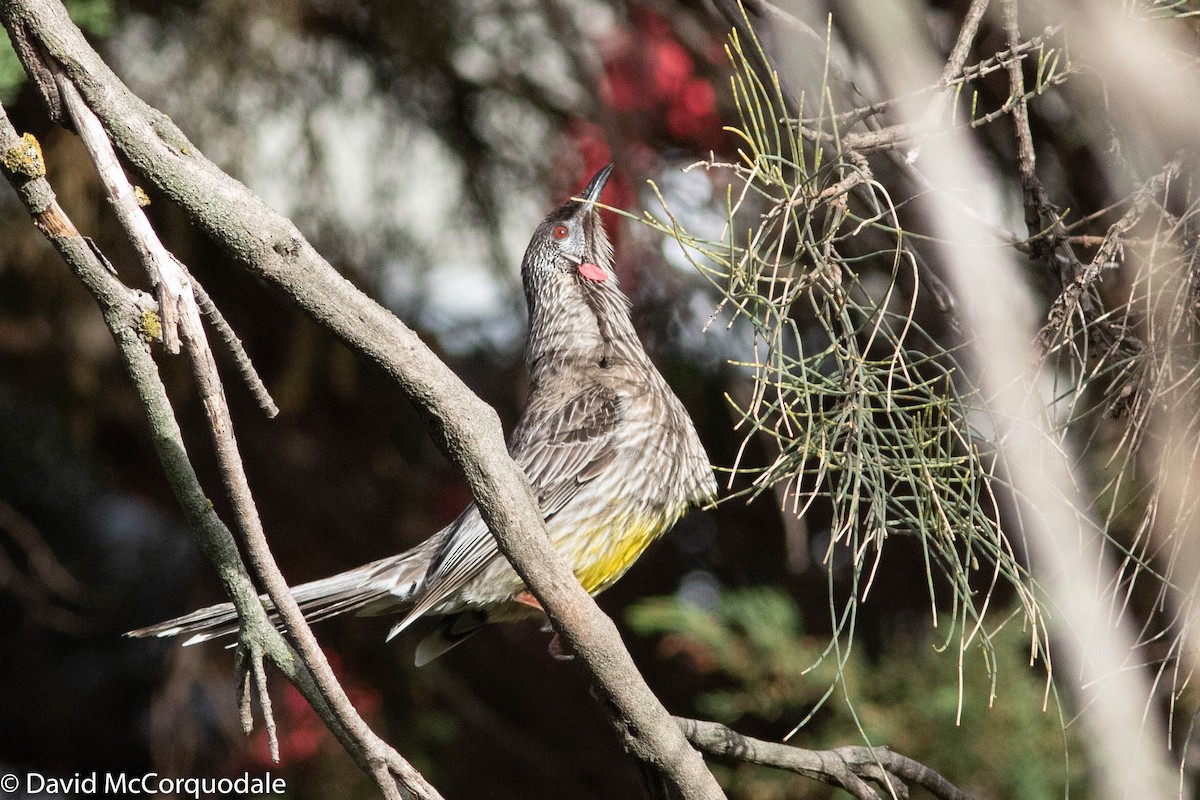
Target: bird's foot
[(526, 598), (558, 649)]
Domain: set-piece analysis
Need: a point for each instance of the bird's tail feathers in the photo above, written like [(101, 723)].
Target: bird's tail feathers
[(375, 588), (452, 630)]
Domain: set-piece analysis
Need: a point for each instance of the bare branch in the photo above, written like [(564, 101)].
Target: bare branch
[(1111, 242), (249, 671), (174, 285), (124, 310), (241, 359), (1041, 216), (962, 45), (262, 561), (847, 768), (169, 282), (953, 70), (950, 80), (172, 282)]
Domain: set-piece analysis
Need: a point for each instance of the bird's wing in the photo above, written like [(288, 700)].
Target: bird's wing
[(564, 451), (561, 447)]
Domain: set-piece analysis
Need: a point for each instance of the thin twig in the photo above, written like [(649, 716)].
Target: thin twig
[(250, 679), (967, 73), (1142, 198), (1040, 214), (241, 679), (264, 701), (241, 358), (952, 72), (170, 284), (962, 45), (262, 561), (1071, 302), (1026, 158), (174, 285), (902, 134)]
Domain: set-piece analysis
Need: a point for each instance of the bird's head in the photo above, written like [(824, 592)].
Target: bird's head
[(570, 247), (577, 313)]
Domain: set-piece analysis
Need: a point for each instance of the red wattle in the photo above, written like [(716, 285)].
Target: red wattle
[(593, 272)]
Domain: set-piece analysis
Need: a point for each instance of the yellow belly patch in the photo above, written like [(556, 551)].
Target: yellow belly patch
[(607, 551)]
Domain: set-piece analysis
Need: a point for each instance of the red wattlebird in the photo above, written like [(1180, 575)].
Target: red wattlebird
[(612, 457)]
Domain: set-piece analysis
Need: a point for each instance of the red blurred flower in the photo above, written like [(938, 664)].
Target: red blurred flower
[(671, 67), (302, 734), (651, 80)]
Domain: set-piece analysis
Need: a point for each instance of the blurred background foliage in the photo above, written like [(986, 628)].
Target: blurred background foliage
[(755, 668), (417, 145)]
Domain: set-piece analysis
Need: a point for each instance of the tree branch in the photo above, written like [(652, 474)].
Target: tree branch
[(125, 312), (954, 74), (171, 286), (241, 359), (1041, 216), (175, 293), (468, 430), (847, 768), (962, 45)]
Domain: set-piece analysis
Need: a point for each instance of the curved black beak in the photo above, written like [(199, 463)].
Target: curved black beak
[(596, 185)]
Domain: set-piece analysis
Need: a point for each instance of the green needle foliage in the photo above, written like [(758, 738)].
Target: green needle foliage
[(861, 408), (852, 390)]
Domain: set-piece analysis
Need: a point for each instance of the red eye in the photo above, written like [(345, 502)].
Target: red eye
[(560, 231)]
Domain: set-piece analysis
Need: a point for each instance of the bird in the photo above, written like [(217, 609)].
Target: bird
[(611, 454)]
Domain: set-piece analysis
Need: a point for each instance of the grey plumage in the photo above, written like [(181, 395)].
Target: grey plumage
[(611, 455)]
